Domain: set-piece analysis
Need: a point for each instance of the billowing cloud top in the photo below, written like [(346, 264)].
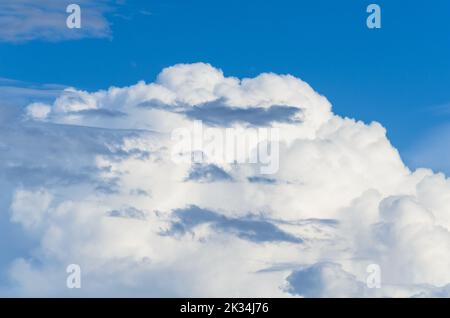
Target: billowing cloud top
[(90, 180)]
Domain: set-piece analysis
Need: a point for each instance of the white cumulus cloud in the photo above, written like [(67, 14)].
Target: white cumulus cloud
[(90, 180)]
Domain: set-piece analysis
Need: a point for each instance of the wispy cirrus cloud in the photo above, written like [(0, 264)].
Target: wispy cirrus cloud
[(26, 20), (20, 92)]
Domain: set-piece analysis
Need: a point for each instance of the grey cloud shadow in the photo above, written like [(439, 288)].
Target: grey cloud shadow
[(45, 154), (127, 213), (254, 230), (101, 112), (207, 173), (219, 113), (262, 180)]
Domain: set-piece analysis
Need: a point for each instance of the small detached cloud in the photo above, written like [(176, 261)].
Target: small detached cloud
[(27, 20)]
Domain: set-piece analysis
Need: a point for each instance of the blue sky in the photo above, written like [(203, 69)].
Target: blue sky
[(397, 75)]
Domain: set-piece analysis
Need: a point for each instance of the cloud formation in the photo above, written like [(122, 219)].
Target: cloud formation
[(89, 179)]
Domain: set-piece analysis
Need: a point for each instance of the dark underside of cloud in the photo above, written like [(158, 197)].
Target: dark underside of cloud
[(44, 154), (313, 281), (219, 113), (255, 230), (207, 173)]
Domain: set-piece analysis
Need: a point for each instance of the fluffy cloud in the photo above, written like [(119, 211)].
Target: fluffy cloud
[(90, 179)]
